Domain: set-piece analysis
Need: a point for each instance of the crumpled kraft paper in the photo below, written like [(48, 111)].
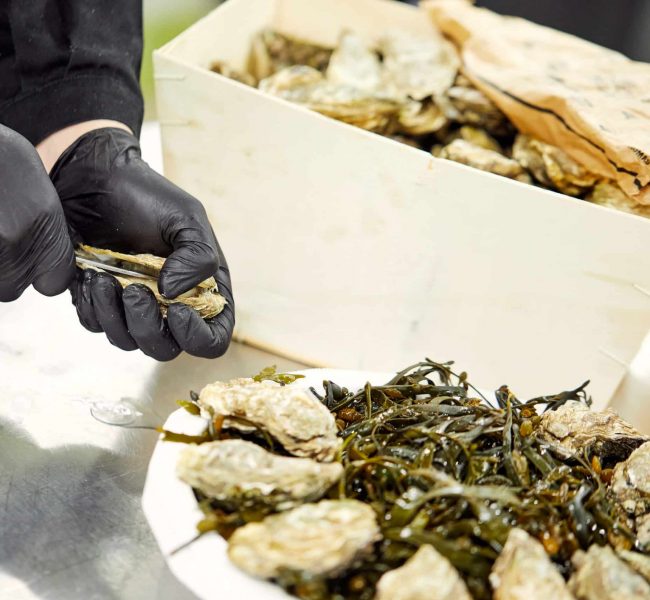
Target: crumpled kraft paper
[(592, 102)]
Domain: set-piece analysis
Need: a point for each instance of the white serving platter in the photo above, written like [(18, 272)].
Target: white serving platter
[(172, 511)]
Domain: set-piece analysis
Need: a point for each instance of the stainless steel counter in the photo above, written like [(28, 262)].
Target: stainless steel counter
[(71, 525)]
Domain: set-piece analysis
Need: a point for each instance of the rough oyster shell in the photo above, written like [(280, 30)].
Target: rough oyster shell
[(639, 562), (354, 63), (318, 539), (552, 167), (204, 298), (427, 575), (294, 416), (273, 51), (474, 135), (306, 86), (485, 160), (574, 426), (222, 68), (601, 575), (418, 67), (242, 474), (608, 193), (420, 118), (523, 571)]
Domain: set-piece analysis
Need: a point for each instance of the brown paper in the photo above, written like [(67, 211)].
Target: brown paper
[(592, 102)]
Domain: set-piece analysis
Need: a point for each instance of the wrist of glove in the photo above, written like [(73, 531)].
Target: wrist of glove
[(112, 199), (34, 244)]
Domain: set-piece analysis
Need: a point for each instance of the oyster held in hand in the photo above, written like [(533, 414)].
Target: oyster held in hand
[(523, 571), (292, 415), (427, 575), (240, 473), (315, 539), (204, 298)]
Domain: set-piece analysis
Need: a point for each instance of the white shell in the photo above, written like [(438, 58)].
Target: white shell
[(523, 571), (318, 539), (242, 473), (601, 575), (354, 63), (294, 416), (427, 575), (574, 426)]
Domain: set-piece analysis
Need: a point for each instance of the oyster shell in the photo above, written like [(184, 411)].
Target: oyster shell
[(427, 575), (639, 562), (222, 68), (418, 67), (466, 104), (273, 51), (552, 167), (420, 118), (295, 417), (204, 298), (354, 63), (601, 575), (474, 135), (608, 193), (240, 473), (630, 486), (320, 539), (574, 426), (485, 160), (306, 86), (523, 571)]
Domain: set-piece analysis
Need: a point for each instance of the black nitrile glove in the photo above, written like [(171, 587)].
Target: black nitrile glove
[(112, 199), (35, 247)]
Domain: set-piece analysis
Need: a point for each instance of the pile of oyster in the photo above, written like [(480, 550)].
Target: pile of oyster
[(413, 90), (303, 533)]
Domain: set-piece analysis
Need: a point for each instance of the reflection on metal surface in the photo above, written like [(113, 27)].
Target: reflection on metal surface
[(115, 413)]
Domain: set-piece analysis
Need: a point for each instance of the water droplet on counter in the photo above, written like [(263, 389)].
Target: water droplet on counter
[(115, 413)]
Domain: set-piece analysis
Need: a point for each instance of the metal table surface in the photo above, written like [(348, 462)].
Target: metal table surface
[(71, 524)]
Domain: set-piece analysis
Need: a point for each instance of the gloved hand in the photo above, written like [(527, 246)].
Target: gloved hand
[(112, 199), (34, 244)]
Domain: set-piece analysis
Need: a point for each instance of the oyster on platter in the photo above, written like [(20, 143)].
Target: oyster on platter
[(314, 539), (601, 575), (204, 298), (552, 166), (574, 427), (240, 473), (475, 156), (293, 416), (427, 575), (523, 571)]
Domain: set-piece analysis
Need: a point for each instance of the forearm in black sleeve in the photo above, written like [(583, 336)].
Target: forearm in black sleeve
[(67, 61)]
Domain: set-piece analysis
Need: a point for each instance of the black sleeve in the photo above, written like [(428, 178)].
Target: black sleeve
[(63, 62)]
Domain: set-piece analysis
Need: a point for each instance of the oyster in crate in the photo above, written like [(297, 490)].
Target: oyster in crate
[(523, 571), (608, 193), (307, 87), (222, 68), (292, 415), (475, 135), (204, 298), (273, 51), (427, 575), (354, 63), (630, 486), (418, 67), (420, 118), (486, 160), (574, 427), (601, 575), (241, 474), (552, 166), (322, 539)]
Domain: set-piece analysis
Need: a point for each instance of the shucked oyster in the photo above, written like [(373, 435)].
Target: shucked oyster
[(306, 86), (427, 575), (292, 415), (574, 426), (486, 160), (523, 571), (204, 298), (601, 575), (552, 166), (317, 539), (243, 474)]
